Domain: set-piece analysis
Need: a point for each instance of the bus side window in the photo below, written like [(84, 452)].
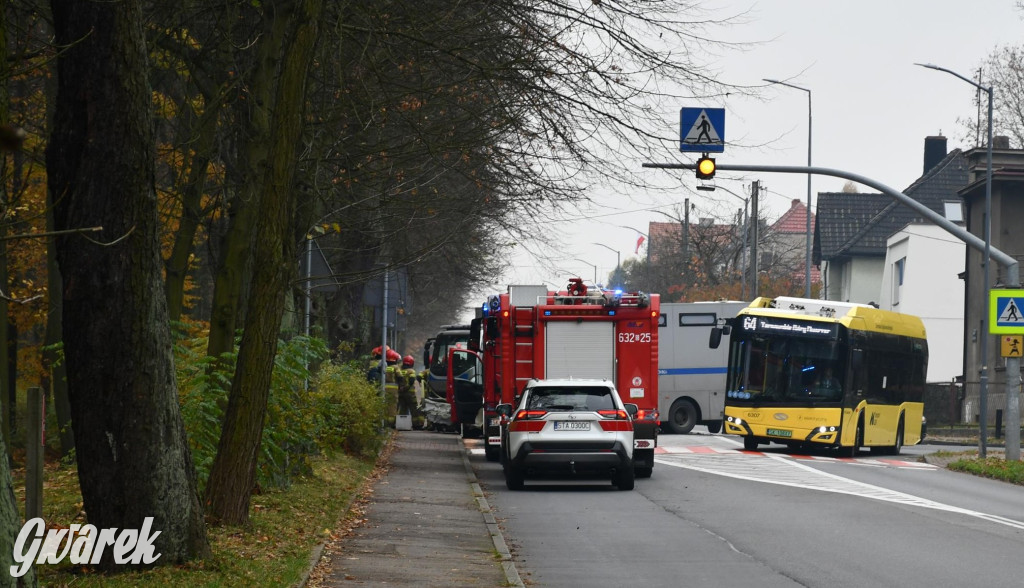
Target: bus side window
[(861, 371)]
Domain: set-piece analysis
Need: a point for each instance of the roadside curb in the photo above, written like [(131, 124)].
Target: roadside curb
[(314, 559), (511, 573)]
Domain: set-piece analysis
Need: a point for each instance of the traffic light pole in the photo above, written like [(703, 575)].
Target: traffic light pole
[(1013, 380)]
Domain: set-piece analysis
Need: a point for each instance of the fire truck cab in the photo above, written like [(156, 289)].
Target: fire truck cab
[(581, 332)]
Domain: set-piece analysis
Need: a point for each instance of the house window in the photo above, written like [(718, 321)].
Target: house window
[(954, 211), (897, 279)]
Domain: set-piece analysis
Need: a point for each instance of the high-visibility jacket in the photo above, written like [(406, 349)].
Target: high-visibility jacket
[(391, 378)]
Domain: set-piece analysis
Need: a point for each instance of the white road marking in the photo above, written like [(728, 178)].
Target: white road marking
[(785, 471)]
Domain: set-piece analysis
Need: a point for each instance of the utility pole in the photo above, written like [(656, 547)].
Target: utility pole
[(384, 337), (686, 239), (741, 216), (754, 188)]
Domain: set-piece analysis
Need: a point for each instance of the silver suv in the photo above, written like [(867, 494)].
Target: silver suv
[(568, 426)]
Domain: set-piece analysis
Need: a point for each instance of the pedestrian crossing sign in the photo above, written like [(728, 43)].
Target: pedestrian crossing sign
[(1006, 312), (702, 130)]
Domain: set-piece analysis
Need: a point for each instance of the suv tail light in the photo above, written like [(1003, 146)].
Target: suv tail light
[(614, 414), (530, 414), (528, 421)]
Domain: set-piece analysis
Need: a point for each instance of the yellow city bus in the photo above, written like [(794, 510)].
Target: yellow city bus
[(817, 373)]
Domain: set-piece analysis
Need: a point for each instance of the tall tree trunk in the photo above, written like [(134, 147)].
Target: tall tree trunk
[(191, 211), (236, 252), (55, 371), (233, 473), (10, 519), (9, 394), (10, 525), (54, 368), (133, 457)]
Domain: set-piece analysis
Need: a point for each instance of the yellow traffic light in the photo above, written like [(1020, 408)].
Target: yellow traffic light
[(706, 168)]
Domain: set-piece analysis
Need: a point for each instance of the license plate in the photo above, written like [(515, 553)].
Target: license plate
[(495, 421), (780, 433), (572, 425)]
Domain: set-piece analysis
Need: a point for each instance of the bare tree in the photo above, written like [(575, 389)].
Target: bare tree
[(1003, 69)]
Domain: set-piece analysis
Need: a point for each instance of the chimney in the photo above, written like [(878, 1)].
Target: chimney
[(796, 202), (934, 151)]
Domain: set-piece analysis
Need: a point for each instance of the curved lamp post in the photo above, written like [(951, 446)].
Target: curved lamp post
[(807, 263), (987, 222)]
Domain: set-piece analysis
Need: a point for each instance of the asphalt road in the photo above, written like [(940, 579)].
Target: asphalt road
[(715, 516)]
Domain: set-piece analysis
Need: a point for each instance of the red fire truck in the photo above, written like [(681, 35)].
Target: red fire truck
[(531, 332)]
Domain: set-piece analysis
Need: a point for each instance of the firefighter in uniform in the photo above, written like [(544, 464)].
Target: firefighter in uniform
[(391, 375), (406, 394), (373, 369)]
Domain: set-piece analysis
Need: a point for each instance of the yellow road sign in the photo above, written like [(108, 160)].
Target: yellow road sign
[(1011, 345)]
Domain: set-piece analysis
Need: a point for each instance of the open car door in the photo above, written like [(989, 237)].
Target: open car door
[(465, 389)]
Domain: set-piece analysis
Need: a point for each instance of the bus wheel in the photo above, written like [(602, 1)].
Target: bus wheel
[(857, 442), (714, 426), (682, 416), (750, 443), (897, 447)]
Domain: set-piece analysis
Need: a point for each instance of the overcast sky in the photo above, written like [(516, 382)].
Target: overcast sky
[(871, 107)]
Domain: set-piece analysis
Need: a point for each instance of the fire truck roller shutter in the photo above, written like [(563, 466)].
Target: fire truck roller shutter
[(580, 350)]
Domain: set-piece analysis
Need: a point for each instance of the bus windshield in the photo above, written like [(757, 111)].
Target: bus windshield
[(443, 342), (783, 369)]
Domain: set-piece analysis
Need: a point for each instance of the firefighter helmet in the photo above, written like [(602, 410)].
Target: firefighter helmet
[(408, 361)]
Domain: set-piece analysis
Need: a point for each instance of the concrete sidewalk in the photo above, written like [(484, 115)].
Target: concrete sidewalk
[(428, 524)]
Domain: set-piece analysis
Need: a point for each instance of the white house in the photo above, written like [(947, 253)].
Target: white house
[(921, 277)]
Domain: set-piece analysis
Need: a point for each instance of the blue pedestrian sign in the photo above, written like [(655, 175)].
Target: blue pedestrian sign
[(702, 130), (1006, 312)]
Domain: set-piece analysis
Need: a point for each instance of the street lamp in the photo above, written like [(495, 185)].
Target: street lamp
[(987, 223), (591, 265), (618, 258), (807, 265)]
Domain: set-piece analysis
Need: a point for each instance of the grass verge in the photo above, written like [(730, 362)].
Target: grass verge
[(273, 550), (997, 468)]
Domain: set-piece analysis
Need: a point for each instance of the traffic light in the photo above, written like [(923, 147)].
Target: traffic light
[(705, 168)]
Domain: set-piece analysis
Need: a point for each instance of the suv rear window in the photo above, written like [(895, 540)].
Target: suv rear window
[(571, 398)]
